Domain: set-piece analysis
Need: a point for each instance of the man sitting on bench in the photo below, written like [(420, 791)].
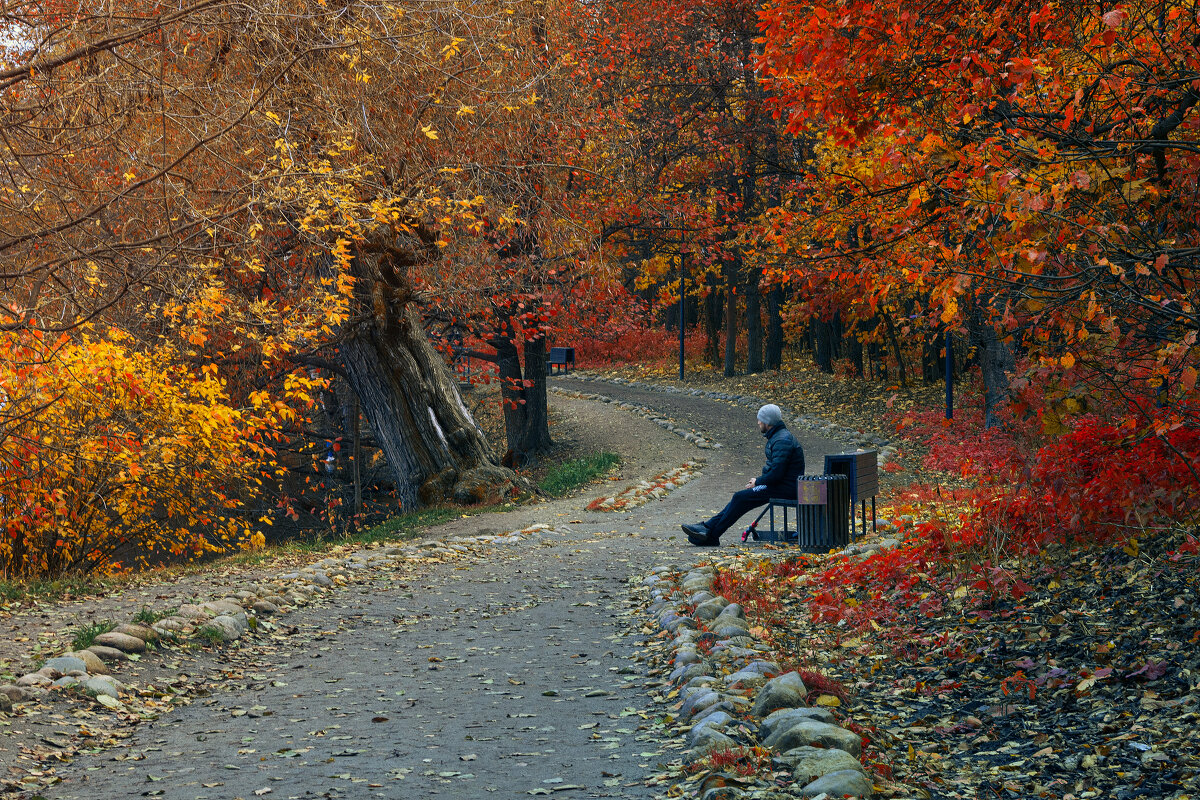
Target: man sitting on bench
[(785, 464)]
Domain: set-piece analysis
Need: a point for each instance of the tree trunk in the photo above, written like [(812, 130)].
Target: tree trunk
[(535, 436), (512, 393), (894, 340), (823, 347), (754, 337), (774, 354), (996, 362), (712, 310), (435, 450), (730, 326)]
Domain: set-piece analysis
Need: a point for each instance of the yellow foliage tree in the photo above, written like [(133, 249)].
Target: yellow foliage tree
[(112, 457)]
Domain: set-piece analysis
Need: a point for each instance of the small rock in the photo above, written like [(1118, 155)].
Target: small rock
[(50, 672), (6, 702), (812, 732), (107, 653), (121, 641), (809, 763), (843, 783), (66, 681), (764, 667), (785, 691)]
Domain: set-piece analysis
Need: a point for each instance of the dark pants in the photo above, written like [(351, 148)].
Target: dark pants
[(739, 504)]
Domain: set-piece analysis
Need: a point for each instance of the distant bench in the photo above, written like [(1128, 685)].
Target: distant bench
[(563, 358)]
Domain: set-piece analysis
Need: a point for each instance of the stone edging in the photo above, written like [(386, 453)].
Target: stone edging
[(244, 611), (853, 436), (731, 694), (657, 418), (642, 492)]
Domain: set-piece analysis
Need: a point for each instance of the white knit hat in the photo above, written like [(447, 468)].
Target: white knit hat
[(770, 414)]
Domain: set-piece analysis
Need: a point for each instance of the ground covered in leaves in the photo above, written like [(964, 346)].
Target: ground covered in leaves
[(1070, 675)]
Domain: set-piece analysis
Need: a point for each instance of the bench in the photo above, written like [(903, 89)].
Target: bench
[(563, 358)]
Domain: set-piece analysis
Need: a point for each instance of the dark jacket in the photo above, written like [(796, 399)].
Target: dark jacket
[(785, 462)]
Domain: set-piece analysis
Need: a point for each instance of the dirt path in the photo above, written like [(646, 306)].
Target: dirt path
[(509, 676)]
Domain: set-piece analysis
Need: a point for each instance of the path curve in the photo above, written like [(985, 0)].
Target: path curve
[(508, 677)]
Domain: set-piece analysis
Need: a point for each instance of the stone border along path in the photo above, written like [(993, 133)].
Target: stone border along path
[(642, 492), (718, 665), (854, 436), (225, 619)]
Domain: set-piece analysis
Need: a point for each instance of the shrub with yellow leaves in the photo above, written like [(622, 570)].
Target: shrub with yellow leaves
[(113, 457)]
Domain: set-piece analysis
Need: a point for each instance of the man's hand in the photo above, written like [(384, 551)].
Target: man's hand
[(750, 485)]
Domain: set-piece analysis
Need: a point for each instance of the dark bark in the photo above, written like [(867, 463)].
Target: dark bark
[(754, 332), (411, 402), (434, 448), (823, 346), (535, 435), (712, 312), (854, 351), (897, 352), (774, 353), (996, 362)]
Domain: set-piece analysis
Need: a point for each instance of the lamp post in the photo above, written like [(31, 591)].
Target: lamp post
[(949, 370), (682, 309)]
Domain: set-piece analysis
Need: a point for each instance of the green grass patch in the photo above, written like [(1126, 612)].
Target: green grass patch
[(12, 591), (85, 635), (570, 475)]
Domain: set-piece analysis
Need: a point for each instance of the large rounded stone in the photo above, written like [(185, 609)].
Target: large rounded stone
[(843, 783), (143, 632), (698, 701), (710, 609), (733, 610), (786, 717), (64, 664), (15, 694), (709, 738), (93, 664), (265, 607), (107, 653), (227, 626), (103, 685), (811, 732), (33, 679), (121, 641), (224, 607), (785, 691), (809, 763)]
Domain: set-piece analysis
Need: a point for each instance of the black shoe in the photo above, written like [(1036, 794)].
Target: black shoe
[(704, 541), (697, 529)]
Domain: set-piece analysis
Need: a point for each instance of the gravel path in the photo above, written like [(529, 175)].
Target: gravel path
[(509, 676)]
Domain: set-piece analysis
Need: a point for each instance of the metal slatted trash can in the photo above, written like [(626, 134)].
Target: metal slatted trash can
[(823, 512)]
